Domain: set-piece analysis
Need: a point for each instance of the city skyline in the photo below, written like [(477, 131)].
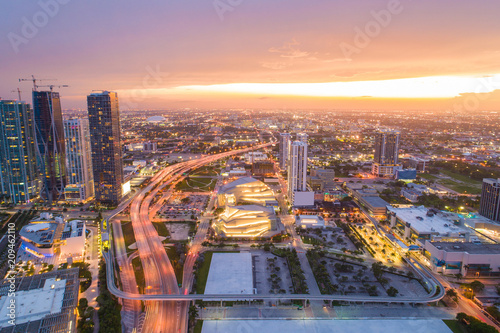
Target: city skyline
[(354, 61), (214, 166)]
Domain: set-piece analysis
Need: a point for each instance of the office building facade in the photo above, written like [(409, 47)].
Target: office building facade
[(80, 187), (19, 181), (50, 147), (284, 146), (297, 175), (386, 156), (490, 199), (104, 123), (302, 137)]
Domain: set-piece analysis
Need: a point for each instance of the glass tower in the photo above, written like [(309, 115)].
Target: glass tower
[(18, 175), (104, 123), (50, 148)]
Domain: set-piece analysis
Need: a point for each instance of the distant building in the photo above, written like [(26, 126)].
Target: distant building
[(255, 156), (297, 175), (468, 259), (309, 221), (418, 163), (47, 236), (410, 194), (246, 190), (302, 137), (50, 144), (44, 302), (104, 120), (147, 147), (408, 174), (80, 185), (322, 179), (19, 179), (422, 224), (246, 221), (263, 168), (386, 157), (369, 199), (490, 199), (284, 146)]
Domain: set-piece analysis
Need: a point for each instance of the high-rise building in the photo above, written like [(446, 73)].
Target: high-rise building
[(19, 179), (302, 137), (104, 123), (386, 157), (297, 175), (50, 148), (490, 199), (284, 147), (80, 185)]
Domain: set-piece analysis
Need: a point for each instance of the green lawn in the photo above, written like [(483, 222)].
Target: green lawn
[(198, 326), (459, 183), (427, 176), (161, 229), (461, 178), (455, 326), (174, 258), (459, 187), (203, 273), (206, 171), (196, 184), (139, 274), (128, 234)]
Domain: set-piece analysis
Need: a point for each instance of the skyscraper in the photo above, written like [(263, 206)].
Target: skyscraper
[(284, 146), (80, 185), (18, 175), (297, 175), (490, 199), (50, 148), (386, 155), (302, 137), (104, 123)]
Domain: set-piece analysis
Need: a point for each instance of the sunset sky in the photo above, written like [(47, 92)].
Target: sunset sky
[(257, 53)]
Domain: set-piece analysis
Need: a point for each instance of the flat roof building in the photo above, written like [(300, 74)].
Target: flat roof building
[(47, 236), (230, 273), (422, 224), (468, 259), (309, 221), (44, 303)]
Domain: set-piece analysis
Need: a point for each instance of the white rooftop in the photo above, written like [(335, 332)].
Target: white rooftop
[(230, 273), (35, 227), (327, 326), (441, 223), (35, 304)]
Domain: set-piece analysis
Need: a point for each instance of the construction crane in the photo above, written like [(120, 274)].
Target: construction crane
[(35, 80), (51, 86), (18, 93)]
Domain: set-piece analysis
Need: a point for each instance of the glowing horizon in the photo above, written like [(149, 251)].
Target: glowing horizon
[(424, 87)]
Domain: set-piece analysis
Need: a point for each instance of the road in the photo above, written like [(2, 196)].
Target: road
[(166, 304), (164, 316)]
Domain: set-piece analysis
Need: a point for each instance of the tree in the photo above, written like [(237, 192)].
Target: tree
[(476, 286), (392, 292), (83, 303), (451, 293)]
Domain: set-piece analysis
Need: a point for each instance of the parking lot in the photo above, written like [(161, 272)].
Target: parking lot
[(184, 206), (271, 274)]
